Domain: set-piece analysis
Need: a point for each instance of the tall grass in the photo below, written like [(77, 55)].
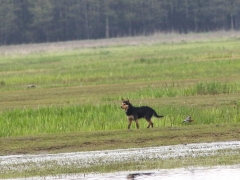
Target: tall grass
[(104, 117), (177, 90), (59, 119)]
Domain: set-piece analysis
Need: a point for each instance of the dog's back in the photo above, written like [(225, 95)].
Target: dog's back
[(143, 111)]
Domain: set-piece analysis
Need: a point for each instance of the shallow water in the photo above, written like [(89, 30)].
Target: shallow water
[(109, 156), (200, 173), (23, 163)]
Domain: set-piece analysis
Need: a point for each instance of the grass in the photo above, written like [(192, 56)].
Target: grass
[(74, 118), (80, 90), (76, 101), (110, 65), (115, 139)]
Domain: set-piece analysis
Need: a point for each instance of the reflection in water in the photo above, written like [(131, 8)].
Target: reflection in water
[(214, 173), (193, 173), (133, 176)]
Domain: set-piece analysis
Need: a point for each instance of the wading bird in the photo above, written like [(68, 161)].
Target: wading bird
[(188, 120)]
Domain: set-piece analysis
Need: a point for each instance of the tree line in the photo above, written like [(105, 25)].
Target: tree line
[(35, 21)]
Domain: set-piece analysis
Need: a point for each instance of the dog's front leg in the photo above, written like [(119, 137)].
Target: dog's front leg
[(137, 124), (129, 123), (130, 119)]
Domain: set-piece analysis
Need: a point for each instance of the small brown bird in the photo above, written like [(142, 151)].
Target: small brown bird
[(188, 120)]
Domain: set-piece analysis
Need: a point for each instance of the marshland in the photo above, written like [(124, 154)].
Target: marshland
[(66, 97)]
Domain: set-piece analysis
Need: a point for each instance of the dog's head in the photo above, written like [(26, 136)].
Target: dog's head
[(125, 104)]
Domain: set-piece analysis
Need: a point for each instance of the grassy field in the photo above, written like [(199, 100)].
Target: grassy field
[(80, 89), (52, 95)]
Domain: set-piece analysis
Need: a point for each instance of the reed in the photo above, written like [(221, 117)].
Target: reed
[(177, 90), (84, 118)]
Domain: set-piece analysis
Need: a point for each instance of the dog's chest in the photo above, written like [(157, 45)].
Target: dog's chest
[(131, 111)]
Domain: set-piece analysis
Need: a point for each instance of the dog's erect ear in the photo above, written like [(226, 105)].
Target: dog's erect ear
[(125, 100)]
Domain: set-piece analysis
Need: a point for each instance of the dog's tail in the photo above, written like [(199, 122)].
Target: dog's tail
[(156, 115)]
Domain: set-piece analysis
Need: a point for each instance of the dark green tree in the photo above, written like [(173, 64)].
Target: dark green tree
[(42, 11), (27, 21), (7, 21)]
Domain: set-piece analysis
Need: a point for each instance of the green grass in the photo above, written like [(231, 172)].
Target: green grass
[(122, 64), (52, 119), (80, 89), (177, 90)]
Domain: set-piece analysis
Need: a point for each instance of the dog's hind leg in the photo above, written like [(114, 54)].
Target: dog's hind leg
[(150, 123)]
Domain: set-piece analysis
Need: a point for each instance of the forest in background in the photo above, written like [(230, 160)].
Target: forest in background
[(36, 21)]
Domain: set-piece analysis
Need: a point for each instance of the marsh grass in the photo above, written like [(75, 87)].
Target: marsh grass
[(60, 119), (79, 89), (177, 90), (56, 119)]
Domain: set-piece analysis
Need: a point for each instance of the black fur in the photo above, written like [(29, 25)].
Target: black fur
[(135, 113)]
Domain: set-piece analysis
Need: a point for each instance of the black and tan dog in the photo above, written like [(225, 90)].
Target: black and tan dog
[(135, 113)]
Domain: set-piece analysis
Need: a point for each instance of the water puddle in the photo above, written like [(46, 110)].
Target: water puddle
[(194, 173), (21, 163), (109, 156)]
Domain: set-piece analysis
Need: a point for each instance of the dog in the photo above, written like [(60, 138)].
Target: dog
[(135, 113)]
